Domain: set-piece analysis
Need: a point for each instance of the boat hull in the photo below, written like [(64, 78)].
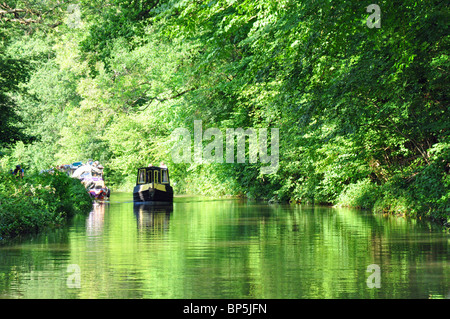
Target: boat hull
[(101, 195), (149, 193)]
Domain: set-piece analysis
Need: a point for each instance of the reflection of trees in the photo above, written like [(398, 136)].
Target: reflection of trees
[(279, 251), (28, 261), (229, 249)]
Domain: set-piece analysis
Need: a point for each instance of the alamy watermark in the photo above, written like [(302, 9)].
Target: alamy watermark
[(74, 278), (214, 151), (374, 20), (73, 19), (374, 280)]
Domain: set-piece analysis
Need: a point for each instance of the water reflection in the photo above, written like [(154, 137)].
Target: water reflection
[(96, 219), (151, 216), (228, 248)]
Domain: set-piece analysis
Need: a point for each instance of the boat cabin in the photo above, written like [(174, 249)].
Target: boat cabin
[(153, 175), (153, 184)]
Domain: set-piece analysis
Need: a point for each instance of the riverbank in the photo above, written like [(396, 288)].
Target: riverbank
[(422, 194), (417, 191), (39, 201)]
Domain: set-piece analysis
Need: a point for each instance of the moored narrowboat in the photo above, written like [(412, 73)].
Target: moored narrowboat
[(91, 176), (153, 185)]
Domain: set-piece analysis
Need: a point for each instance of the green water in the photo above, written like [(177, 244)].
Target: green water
[(228, 248)]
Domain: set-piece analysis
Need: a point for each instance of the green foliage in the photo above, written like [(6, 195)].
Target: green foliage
[(12, 72), (362, 194), (362, 112), (111, 20), (39, 201), (422, 191)]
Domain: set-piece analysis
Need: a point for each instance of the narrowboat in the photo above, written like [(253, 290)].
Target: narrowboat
[(153, 185), (91, 176)]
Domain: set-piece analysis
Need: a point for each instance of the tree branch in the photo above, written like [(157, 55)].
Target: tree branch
[(25, 16), (151, 99)]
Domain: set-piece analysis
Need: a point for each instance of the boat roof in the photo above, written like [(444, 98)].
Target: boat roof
[(153, 167), (86, 168)]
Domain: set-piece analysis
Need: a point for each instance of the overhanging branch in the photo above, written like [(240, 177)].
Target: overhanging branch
[(25, 16), (151, 99)]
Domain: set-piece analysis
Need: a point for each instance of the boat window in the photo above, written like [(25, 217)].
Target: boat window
[(141, 179), (149, 177), (164, 176), (156, 177)]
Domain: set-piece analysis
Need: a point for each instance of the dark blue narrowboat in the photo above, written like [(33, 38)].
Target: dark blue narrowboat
[(153, 185)]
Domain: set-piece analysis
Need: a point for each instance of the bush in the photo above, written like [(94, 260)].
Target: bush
[(362, 194), (39, 201), (420, 192)]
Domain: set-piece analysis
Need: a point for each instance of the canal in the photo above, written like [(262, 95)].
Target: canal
[(228, 248)]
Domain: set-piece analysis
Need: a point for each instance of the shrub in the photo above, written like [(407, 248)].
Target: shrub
[(39, 201), (362, 194)]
